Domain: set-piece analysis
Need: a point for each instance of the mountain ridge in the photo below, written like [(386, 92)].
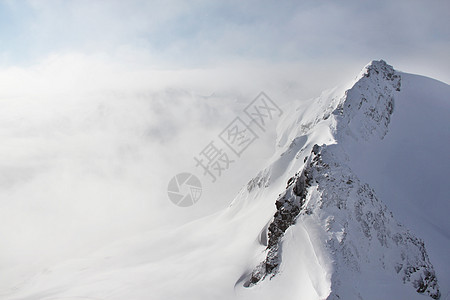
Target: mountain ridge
[(370, 102)]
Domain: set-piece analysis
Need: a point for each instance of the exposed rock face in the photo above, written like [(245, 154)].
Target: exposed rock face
[(359, 227), (361, 233), (367, 108), (289, 205)]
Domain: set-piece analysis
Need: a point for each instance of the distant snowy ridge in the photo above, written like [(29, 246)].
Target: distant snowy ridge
[(361, 234)]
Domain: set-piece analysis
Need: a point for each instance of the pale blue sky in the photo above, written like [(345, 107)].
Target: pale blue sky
[(186, 34)]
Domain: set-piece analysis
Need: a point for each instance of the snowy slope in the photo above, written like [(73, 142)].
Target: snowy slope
[(327, 194), (338, 213)]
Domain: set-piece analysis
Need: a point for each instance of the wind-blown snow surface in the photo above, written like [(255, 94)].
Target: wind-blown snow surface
[(360, 215)]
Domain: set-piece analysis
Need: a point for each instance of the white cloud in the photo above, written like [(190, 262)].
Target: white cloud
[(89, 145), (102, 102)]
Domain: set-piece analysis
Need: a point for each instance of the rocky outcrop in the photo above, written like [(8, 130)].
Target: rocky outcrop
[(361, 233), (360, 228), (289, 205), (366, 109)]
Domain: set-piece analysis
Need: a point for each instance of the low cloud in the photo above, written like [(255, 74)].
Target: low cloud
[(102, 103)]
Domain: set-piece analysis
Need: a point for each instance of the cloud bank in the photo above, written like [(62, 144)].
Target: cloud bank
[(101, 103)]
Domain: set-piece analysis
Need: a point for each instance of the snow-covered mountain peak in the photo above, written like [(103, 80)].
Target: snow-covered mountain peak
[(359, 233), (377, 67), (367, 107), (361, 110)]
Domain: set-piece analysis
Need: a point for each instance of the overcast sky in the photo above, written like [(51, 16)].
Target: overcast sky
[(410, 34)]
